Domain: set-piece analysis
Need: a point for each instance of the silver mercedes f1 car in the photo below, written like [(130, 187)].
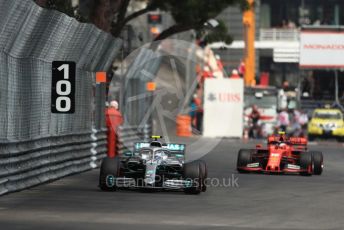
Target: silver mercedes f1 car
[(154, 165)]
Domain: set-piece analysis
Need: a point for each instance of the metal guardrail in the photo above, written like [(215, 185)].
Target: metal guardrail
[(37, 146), (26, 164), (143, 69), (128, 135), (31, 39), (275, 34)]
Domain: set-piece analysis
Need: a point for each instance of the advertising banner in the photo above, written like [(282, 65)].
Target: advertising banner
[(223, 108), (322, 49)]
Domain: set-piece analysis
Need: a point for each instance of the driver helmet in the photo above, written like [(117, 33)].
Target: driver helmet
[(282, 136)]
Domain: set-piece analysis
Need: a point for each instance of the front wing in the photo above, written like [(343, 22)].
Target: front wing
[(288, 169), (171, 184)]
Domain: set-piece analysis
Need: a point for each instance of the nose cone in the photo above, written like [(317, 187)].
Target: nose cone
[(149, 181), (150, 174), (274, 162)]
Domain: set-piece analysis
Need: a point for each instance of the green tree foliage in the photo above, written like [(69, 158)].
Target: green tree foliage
[(219, 33), (193, 14), (111, 15), (64, 6)]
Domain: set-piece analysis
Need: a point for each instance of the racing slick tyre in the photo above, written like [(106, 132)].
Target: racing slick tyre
[(109, 171), (244, 158), (311, 137), (204, 173), (194, 175), (340, 139), (306, 163), (318, 164)]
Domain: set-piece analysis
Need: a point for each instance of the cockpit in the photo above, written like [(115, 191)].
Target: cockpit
[(158, 154), (155, 144)]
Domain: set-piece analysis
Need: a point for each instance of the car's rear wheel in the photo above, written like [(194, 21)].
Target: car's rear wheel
[(311, 137), (109, 171), (193, 175), (244, 158), (340, 139), (318, 164), (204, 173), (306, 163)]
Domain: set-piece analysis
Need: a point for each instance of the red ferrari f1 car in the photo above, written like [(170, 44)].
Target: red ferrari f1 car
[(282, 155)]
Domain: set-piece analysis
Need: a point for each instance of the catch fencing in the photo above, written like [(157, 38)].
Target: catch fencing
[(137, 101), (128, 135), (36, 145)]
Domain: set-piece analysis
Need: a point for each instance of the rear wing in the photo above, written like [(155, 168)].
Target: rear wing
[(172, 147), (298, 141), (175, 148)]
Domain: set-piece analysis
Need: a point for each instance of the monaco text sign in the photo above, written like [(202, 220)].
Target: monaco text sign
[(322, 49)]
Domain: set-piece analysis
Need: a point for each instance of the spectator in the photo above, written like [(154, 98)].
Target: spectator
[(113, 120), (317, 22), (291, 24), (193, 111), (342, 99), (255, 129), (306, 88), (219, 62), (296, 126), (207, 73), (283, 120), (282, 96), (303, 121), (241, 68), (286, 86), (235, 74), (284, 24), (113, 115), (199, 113)]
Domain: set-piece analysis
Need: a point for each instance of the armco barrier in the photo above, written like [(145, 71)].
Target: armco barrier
[(37, 146), (145, 66), (25, 164), (128, 135), (31, 39)]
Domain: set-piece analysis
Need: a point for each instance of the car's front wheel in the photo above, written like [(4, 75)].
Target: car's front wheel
[(204, 173), (311, 137), (109, 171), (318, 164), (194, 177), (244, 158), (340, 139), (306, 164)]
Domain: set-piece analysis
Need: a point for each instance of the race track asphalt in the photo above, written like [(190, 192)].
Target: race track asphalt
[(258, 202)]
